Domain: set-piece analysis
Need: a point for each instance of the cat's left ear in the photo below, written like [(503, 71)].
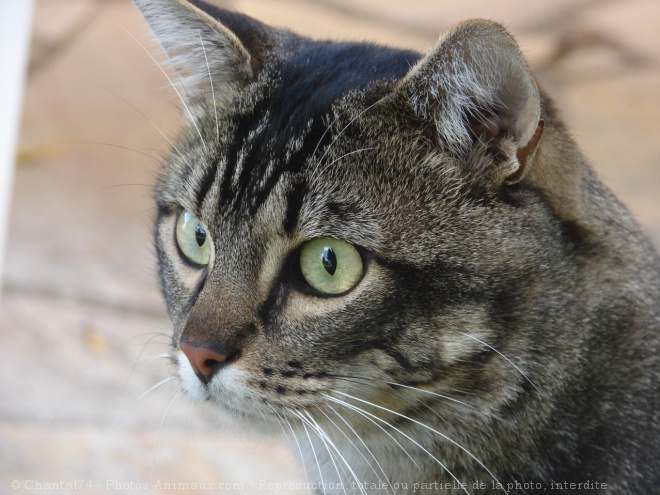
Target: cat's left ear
[(203, 46), (475, 86)]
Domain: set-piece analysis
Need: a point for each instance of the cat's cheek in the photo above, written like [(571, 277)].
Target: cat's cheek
[(189, 381)]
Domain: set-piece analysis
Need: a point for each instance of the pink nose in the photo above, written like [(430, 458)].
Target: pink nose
[(205, 362)]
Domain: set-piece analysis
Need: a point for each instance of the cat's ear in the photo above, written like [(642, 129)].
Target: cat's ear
[(207, 55), (476, 87)]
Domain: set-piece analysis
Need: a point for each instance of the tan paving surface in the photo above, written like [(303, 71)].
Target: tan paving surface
[(81, 317)]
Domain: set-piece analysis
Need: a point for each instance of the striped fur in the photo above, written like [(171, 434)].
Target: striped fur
[(506, 326)]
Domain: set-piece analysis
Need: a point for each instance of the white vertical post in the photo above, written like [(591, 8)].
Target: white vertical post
[(15, 22)]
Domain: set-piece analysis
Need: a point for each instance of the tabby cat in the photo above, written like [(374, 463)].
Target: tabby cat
[(402, 264)]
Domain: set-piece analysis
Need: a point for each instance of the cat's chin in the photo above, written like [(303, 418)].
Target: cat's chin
[(251, 426), (225, 403)]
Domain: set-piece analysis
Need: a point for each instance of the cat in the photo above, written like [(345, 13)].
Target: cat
[(402, 264)]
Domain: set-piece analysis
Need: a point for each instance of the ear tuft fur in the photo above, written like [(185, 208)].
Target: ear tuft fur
[(475, 83), (207, 57)]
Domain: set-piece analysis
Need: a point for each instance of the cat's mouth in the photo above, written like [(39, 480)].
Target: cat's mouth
[(263, 399), (245, 394)]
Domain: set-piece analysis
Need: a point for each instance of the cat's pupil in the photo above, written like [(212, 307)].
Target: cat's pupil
[(200, 235), (329, 260)]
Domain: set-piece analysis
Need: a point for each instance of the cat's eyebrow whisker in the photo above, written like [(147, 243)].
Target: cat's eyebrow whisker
[(151, 122), (507, 360), (327, 129), (141, 213), (183, 101), (344, 129), (117, 186), (357, 449), (119, 146), (442, 435), (208, 67), (318, 176), (160, 429), (347, 154)]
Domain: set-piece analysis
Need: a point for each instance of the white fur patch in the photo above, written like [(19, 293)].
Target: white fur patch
[(189, 381)]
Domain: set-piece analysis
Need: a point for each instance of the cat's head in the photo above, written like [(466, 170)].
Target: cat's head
[(343, 224)]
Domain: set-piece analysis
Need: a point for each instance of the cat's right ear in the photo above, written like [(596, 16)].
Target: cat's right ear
[(207, 55), (475, 87)]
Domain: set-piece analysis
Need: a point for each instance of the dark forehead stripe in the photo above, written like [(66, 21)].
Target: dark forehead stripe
[(244, 124), (265, 161), (208, 179), (294, 203), (315, 141), (298, 105)]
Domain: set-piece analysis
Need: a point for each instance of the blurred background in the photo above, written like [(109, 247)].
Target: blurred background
[(82, 324)]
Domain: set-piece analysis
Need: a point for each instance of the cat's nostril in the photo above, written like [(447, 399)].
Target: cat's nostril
[(204, 361)]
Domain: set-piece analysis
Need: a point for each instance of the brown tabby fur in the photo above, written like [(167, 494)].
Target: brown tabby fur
[(506, 328)]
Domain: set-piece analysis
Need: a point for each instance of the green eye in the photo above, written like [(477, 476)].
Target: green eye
[(331, 266), (194, 242)]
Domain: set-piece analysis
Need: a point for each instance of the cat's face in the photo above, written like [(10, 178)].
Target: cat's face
[(337, 233), (307, 280)]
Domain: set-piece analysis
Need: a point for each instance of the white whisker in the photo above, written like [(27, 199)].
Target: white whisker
[(348, 154), (208, 67), (282, 420), (183, 101), (323, 436), (362, 411), (346, 127), (148, 359), (153, 456), (302, 457), (155, 160), (279, 419), (311, 445), (154, 336), (428, 392), (116, 423), (507, 360), (158, 129), (356, 447), (326, 167), (442, 435), (306, 422), (394, 384), (411, 404), (343, 459), (359, 411)]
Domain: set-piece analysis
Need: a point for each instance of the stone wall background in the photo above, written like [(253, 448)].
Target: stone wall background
[(82, 324)]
